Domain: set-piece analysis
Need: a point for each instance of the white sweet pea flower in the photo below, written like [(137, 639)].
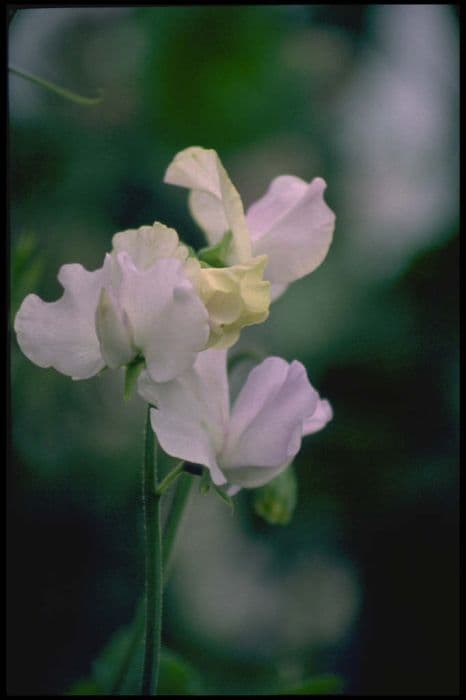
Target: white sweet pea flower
[(140, 303), (250, 444), (291, 223)]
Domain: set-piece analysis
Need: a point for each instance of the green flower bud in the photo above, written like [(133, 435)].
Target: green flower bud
[(276, 501)]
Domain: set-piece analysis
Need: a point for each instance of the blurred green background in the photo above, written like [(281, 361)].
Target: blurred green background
[(363, 583)]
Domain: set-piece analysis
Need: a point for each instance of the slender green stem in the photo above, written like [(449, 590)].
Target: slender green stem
[(57, 89), (179, 502), (154, 573)]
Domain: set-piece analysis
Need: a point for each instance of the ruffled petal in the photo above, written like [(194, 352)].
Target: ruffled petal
[(214, 201), (319, 419), (62, 334), (192, 411), (266, 423), (147, 244), (168, 320), (293, 225), (235, 297)]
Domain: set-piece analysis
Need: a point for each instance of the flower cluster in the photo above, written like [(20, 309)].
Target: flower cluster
[(156, 305)]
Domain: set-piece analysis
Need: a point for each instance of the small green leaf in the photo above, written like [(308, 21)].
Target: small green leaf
[(215, 255), (276, 501), (176, 676), (132, 372)]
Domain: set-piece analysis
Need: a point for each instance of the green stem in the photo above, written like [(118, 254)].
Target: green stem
[(154, 574), (180, 499), (63, 92)]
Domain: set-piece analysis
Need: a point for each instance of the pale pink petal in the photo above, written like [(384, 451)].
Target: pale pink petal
[(283, 194), (293, 225), (61, 334), (319, 419), (266, 422), (113, 330), (276, 290), (168, 320), (192, 411)]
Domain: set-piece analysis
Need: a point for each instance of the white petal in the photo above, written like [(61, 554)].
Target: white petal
[(266, 422), (293, 225), (61, 334), (219, 204), (192, 411), (196, 169), (319, 419), (168, 320), (114, 331), (209, 214), (147, 244)]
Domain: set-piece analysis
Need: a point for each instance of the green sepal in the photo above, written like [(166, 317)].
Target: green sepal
[(205, 482), (224, 496), (215, 255), (275, 502), (132, 372)]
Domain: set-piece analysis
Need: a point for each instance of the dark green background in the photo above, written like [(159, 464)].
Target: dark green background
[(366, 97)]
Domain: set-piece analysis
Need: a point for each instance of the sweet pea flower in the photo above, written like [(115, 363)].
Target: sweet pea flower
[(139, 304), (253, 442), (234, 297), (291, 223)]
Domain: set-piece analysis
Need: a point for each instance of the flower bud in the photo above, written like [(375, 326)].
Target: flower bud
[(276, 501)]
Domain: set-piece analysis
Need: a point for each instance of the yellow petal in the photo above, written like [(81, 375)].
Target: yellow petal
[(235, 297)]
